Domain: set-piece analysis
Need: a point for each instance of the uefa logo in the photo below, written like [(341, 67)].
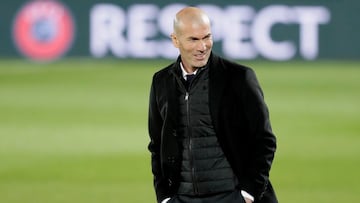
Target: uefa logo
[(43, 30)]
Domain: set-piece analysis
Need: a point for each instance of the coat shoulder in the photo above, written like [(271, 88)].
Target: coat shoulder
[(164, 71), (234, 68)]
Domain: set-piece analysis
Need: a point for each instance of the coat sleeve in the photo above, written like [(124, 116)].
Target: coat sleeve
[(263, 140), (155, 123)]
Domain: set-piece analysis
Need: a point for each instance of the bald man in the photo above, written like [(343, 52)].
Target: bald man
[(210, 134)]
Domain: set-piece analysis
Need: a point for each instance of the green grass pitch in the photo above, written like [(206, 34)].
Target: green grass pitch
[(75, 131)]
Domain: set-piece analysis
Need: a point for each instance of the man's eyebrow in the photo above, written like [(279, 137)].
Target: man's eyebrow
[(196, 38)]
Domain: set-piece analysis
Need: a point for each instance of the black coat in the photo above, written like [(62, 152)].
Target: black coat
[(241, 122)]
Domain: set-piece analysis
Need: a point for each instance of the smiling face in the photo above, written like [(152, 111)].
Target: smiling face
[(192, 36)]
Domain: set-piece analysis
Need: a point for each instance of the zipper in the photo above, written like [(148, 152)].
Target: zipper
[(187, 103), (191, 155)]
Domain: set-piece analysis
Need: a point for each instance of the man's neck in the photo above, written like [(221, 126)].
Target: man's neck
[(185, 72)]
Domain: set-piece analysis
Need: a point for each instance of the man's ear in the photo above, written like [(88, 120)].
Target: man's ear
[(174, 40)]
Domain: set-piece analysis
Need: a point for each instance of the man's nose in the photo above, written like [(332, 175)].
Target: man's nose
[(201, 45)]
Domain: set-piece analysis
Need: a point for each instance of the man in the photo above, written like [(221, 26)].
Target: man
[(211, 139)]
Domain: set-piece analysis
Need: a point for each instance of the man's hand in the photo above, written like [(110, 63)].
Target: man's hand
[(247, 200)]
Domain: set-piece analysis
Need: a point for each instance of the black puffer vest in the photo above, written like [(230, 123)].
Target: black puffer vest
[(204, 169)]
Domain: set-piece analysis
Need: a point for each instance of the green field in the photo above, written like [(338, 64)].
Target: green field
[(75, 131)]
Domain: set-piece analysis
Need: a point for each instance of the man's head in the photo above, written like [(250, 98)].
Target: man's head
[(192, 36)]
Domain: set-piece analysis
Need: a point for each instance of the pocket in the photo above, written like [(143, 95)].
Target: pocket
[(173, 200), (241, 198), (233, 197)]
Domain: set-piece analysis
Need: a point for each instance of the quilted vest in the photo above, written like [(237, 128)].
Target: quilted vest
[(204, 168)]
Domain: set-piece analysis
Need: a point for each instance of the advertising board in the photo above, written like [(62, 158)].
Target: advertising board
[(45, 30)]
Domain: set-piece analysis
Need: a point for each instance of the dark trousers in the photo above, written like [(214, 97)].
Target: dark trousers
[(228, 197)]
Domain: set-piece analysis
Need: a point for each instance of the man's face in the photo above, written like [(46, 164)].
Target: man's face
[(194, 43)]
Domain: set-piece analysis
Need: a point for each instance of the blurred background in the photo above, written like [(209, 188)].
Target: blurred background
[(75, 79)]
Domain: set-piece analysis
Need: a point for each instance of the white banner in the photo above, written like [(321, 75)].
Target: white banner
[(143, 30)]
